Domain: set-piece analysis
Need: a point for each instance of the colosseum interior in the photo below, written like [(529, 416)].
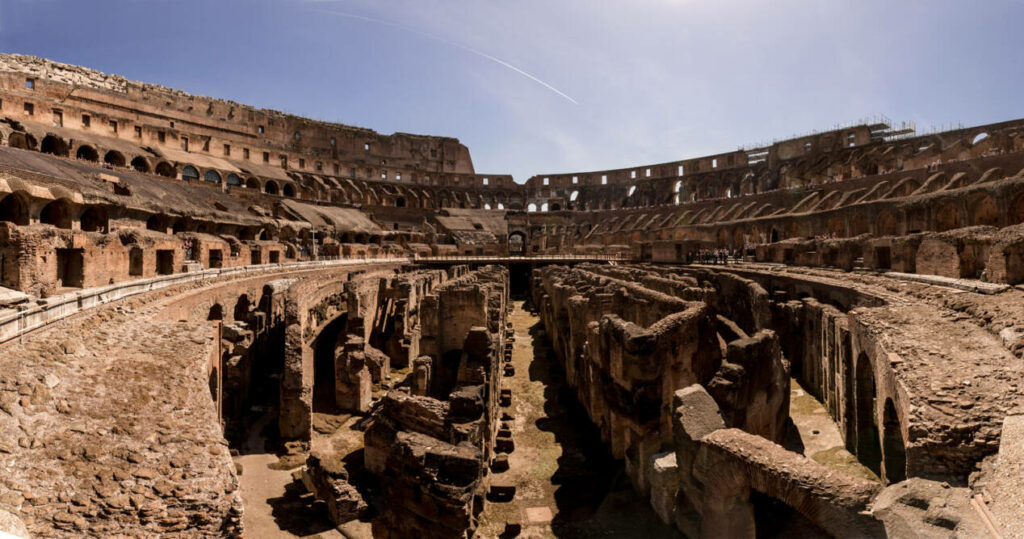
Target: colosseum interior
[(220, 320)]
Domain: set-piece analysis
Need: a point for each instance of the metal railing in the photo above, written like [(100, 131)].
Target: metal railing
[(45, 311)]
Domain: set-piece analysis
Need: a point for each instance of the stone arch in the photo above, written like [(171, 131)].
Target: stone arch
[(288, 190), (52, 144), (87, 153), (242, 307), (94, 219), (212, 176), (869, 450), (114, 158), (516, 243), (982, 210), (324, 379), (894, 452), (233, 180), (252, 183), (947, 217), (140, 164), (216, 312), (271, 188), (24, 141), (14, 208), (189, 173), (57, 213), (165, 169)]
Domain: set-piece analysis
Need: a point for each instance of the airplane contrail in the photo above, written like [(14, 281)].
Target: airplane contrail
[(498, 61)]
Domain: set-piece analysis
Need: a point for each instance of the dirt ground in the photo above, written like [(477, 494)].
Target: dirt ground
[(567, 484), (820, 438)]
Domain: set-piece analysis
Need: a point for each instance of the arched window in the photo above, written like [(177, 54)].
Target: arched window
[(501, 206), (544, 207), (979, 137), (252, 183), (271, 188), (574, 196), (233, 179), (487, 206), (531, 208), (189, 173), (632, 189), (289, 190), (212, 176)]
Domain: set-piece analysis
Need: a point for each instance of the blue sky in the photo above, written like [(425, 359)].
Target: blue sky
[(644, 81)]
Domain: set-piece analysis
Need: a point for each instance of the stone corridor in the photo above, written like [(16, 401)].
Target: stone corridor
[(567, 484)]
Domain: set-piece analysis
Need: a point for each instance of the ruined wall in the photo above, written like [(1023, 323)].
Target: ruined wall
[(431, 451)]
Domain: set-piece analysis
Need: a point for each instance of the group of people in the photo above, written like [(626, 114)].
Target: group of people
[(713, 256)]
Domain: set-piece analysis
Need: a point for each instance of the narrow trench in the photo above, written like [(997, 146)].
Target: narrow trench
[(567, 483)]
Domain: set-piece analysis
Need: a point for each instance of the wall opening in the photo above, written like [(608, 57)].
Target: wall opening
[(165, 261), (94, 219), (114, 158), (216, 257), (869, 451), (135, 262), (70, 268), (57, 213), (87, 153), (324, 377), (14, 208), (140, 164), (895, 454)]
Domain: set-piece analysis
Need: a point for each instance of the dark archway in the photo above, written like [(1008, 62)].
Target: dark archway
[(87, 153), (140, 164), (114, 158), (400, 202), (271, 188), (869, 451), (157, 222), (165, 169), (289, 190), (775, 236), (252, 183), (233, 179), (324, 377), (216, 312), (895, 453), (94, 219), (14, 209), (57, 213), (242, 307), (55, 145)]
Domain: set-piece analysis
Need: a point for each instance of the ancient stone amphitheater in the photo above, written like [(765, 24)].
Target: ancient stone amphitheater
[(218, 320)]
